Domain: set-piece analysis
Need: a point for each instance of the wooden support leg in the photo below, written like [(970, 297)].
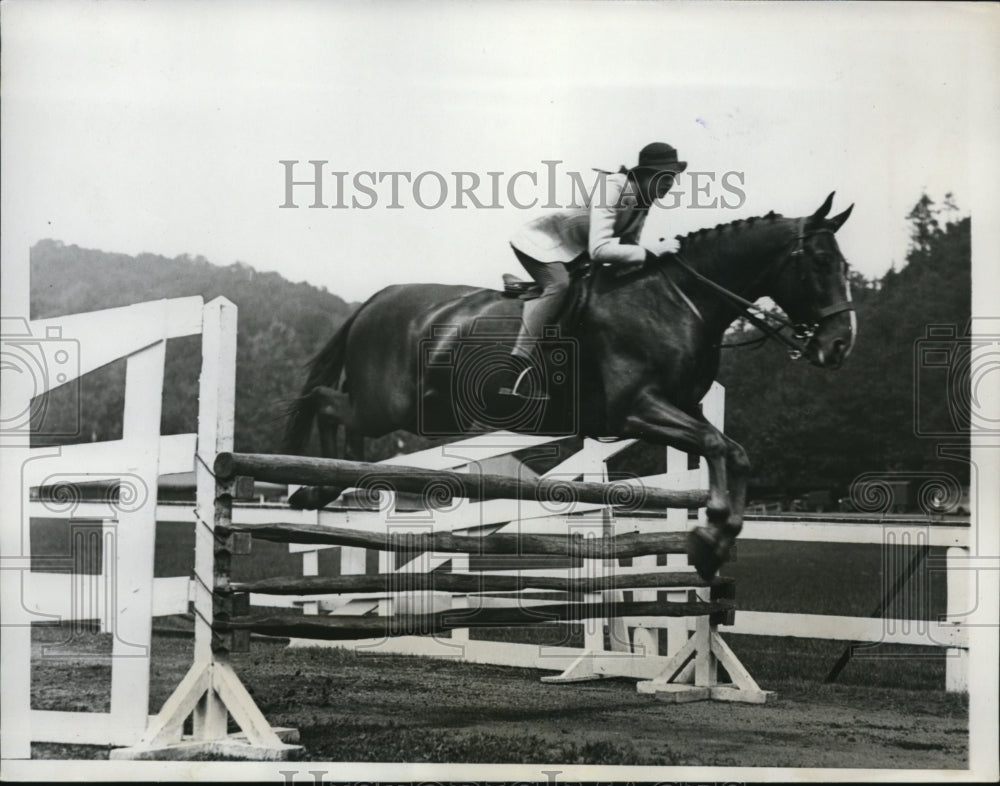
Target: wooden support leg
[(707, 651), (207, 683)]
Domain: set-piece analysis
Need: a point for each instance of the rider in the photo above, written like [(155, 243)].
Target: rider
[(607, 230)]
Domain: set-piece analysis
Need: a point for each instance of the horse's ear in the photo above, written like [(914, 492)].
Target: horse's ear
[(820, 214), (837, 222)]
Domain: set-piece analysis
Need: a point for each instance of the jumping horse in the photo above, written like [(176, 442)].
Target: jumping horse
[(634, 362)]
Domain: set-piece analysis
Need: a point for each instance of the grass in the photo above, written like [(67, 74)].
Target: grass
[(833, 578)]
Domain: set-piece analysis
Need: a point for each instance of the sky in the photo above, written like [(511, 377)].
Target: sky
[(159, 127)]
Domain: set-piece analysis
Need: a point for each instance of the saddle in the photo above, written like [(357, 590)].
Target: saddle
[(579, 270), (582, 274)]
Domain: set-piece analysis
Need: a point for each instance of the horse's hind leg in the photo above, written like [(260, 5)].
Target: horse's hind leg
[(327, 427), (332, 410)]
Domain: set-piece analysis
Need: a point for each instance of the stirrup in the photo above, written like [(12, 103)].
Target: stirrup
[(513, 391)]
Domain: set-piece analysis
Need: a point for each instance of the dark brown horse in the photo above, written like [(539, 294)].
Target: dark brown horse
[(636, 362)]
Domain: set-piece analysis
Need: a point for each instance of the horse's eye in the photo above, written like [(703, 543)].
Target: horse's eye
[(823, 260)]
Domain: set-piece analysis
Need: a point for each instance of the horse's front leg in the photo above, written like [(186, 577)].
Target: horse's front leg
[(738, 467), (656, 420)]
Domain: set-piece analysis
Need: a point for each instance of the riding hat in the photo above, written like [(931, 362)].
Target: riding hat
[(660, 157)]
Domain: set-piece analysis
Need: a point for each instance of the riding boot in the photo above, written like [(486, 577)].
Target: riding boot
[(524, 380)]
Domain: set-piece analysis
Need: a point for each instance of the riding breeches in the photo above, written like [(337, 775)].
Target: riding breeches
[(543, 310)]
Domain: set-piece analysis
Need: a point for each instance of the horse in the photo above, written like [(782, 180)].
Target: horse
[(642, 352)]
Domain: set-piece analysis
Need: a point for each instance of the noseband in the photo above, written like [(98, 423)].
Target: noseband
[(807, 331), (802, 332)]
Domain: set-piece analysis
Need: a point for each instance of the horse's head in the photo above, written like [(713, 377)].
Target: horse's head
[(811, 285)]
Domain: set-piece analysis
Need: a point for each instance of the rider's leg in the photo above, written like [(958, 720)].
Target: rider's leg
[(543, 310), (538, 313)]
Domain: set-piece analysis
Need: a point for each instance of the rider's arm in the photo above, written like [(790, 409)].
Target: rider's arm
[(604, 245)]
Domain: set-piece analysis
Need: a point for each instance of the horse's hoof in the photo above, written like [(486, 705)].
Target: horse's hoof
[(704, 552), (314, 497), (306, 498)]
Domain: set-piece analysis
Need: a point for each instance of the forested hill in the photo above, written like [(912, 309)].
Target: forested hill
[(281, 325), (804, 427), (69, 279)]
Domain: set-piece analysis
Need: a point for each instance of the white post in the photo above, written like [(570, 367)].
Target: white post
[(956, 679), (217, 395), (593, 630), (352, 561), (677, 520), (135, 538), (713, 407), (16, 391), (460, 565), (387, 606), (310, 567)]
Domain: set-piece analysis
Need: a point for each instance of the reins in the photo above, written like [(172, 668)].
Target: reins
[(759, 316), (748, 309)]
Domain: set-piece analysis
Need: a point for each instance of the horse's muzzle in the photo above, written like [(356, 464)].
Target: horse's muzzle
[(831, 357), (830, 348)]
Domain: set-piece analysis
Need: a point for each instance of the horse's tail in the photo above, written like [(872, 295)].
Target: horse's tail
[(324, 369)]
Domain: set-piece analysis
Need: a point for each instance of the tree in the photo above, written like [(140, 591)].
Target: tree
[(924, 221)]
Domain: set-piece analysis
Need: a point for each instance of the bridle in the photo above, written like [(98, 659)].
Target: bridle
[(802, 332)]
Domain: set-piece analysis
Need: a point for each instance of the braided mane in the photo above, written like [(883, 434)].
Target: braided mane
[(731, 229)]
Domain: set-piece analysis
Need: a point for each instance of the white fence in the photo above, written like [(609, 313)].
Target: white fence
[(124, 596)]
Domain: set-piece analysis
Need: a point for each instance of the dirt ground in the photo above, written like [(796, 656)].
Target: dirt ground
[(393, 709), (473, 713)]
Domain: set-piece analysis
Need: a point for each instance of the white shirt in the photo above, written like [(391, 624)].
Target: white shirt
[(607, 227)]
